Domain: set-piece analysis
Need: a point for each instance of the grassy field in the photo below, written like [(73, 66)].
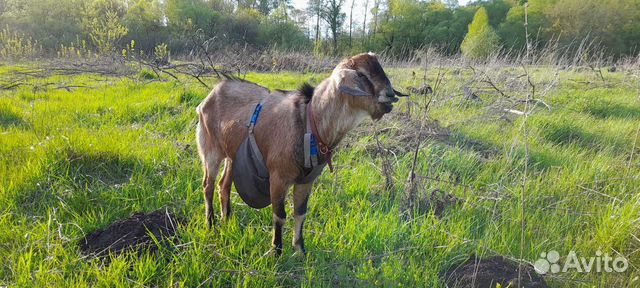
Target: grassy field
[(75, 160)]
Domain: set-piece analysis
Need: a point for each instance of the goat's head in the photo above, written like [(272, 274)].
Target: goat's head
[(363, 76)]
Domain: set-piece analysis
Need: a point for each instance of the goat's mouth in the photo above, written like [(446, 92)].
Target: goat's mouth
[(386, 107)]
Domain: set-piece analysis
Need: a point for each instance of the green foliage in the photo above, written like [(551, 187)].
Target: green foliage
[(192, 15), (146, 74), (397, 26), (14, 45), (416, 23), (332, 14), (103, 24), (282, 34), (51, 22), (497, 11), (143, 20), (72, 162), (76, 49), (611, 22), (481, 40), (512, 30), (161, 54)]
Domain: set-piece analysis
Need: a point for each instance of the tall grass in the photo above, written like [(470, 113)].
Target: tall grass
[(72, 161)]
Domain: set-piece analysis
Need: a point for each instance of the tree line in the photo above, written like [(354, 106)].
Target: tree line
[(324, 27)]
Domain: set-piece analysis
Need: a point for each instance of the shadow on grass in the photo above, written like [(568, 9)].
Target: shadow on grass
[(569, 134), (484, 149), (70, 176), (146, 115), (93, 169), (190, 98), (539, 160), (9, 118), (605, 110)]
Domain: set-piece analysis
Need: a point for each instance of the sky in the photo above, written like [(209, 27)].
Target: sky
[(357, 10)]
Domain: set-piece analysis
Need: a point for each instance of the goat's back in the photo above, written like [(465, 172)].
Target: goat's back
[(226, 112)]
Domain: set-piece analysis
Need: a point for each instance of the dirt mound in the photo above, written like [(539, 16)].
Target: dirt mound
[(133, 233), (490, 271)]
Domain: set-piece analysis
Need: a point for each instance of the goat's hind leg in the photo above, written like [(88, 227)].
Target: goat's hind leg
[(211, 167), (224, 190), (211, 158)]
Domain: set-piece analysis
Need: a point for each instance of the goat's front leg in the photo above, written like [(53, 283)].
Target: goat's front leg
[(300, 198), (278, 191)]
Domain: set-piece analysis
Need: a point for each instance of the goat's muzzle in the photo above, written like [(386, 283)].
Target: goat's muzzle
[(388, 98)]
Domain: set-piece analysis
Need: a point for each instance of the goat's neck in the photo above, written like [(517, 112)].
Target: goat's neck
[(333, 116)]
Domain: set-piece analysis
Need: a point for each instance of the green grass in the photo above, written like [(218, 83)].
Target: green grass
[(75, 161)]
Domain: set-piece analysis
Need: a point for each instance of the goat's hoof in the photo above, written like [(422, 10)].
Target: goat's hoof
[(276, 251), (299, 249), (300, 253), (210, 222), (272, 252)]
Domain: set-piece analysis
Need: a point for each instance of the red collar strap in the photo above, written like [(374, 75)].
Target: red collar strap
[(323, 147)]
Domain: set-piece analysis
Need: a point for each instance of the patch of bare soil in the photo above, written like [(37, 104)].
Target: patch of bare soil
[(135, 233), (490, 271)]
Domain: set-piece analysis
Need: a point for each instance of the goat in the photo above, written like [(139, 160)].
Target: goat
[(358, 87)]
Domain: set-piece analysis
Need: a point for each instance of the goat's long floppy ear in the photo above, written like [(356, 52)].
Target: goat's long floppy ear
[(351, 83)]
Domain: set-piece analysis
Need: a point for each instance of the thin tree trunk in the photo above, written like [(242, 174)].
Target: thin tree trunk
[(335, 41), (375, 15), (353, 2), (526, 29), (364, 22), (317, 28)]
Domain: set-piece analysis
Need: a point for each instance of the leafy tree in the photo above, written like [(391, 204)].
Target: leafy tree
[(192, 15), (452, 3), (405, 23), (481, 40), (244, 27), (332, 14), (613, 23), (512, 30), (314, 9), (497, 10), (50, 22), (144, 23), (102, 22), (279, 33)]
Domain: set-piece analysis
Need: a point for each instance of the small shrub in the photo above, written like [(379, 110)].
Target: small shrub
[(161, 54), (77, 49), (14, 45), (146, 74)]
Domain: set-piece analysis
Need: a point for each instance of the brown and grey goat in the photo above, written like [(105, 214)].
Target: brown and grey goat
[(358, 87)]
